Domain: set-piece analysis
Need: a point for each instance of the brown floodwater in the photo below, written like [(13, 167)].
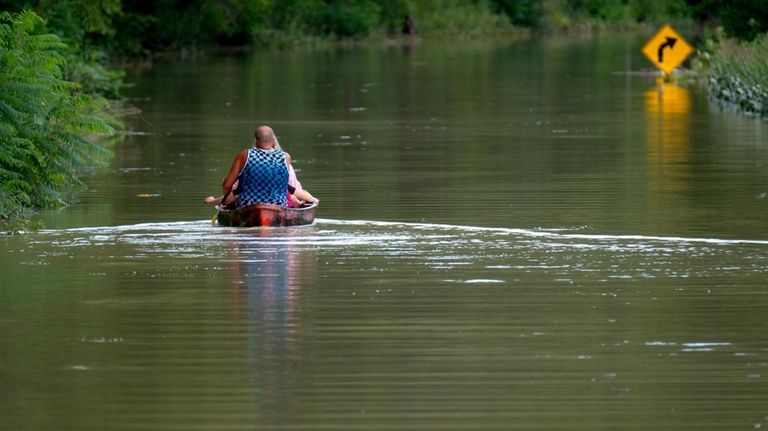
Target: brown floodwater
[(511, 235)]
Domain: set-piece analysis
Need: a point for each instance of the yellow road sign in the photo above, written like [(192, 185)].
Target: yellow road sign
[(667, 49)]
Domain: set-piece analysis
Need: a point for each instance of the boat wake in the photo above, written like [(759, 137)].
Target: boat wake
[(545, 233), (203, 227), (481, 255)]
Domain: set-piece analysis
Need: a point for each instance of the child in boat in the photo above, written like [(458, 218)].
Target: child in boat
[(299, 194), (296, 194)]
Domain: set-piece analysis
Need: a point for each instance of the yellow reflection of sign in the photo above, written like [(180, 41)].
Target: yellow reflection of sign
[(667, 49), (668, 101), (667, 110)]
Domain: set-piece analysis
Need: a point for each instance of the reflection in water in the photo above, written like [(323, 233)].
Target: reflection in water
[(668, 108), (266, 290)]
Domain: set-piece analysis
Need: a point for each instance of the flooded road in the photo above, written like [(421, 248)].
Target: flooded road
[(511, 235)]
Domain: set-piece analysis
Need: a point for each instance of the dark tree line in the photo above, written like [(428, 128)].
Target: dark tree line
[(134, 27)]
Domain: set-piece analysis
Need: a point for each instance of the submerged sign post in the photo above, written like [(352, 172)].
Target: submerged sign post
[(667, 49)]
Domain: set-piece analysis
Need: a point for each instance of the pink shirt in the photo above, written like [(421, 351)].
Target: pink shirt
[(293, 182)]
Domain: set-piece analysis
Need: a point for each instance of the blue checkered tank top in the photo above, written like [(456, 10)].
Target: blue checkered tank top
[(264, 178)]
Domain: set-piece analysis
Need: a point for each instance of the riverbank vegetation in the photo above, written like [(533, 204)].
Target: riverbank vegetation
[(58, 91), (737, 73), (137, 27), (48, 124), (734, 56)]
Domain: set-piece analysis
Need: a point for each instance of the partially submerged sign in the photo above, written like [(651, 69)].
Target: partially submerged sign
[(667, 49)]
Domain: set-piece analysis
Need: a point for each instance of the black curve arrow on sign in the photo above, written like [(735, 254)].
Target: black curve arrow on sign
[(669, 43)]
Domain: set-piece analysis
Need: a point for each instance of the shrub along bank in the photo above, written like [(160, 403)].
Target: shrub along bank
[(49, 126), (737, 73)]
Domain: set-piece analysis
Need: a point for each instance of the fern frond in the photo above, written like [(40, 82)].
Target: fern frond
[(48, 126)]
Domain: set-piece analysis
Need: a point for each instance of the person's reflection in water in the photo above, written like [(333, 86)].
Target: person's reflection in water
[(267, 269)]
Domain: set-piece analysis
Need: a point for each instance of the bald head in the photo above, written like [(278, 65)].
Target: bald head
[(265, 137)]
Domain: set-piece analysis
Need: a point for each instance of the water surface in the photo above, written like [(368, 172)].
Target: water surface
[(511, 235)]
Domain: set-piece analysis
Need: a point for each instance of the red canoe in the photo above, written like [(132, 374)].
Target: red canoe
[(266, 215)]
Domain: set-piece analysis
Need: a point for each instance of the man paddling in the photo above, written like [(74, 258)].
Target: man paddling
[(261, 172), (296, 195)]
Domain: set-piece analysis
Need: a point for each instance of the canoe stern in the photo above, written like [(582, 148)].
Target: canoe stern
[(266, 215)]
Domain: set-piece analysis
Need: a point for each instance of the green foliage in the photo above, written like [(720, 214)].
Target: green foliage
[(348, 18), (73, 20), (742, 19), (524, 13), (600, 10), (738, 73), (87, 68), (135, 27), (566, 12), (157, 25), (131, 38), (86, 28), (657, 11), (457, 17), (47, 126), (393, 13)]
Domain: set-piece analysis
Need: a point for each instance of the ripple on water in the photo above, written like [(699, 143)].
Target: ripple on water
[(380, 308), (440, 247)]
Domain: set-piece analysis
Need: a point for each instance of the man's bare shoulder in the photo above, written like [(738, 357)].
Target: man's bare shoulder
[(242, 155)]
